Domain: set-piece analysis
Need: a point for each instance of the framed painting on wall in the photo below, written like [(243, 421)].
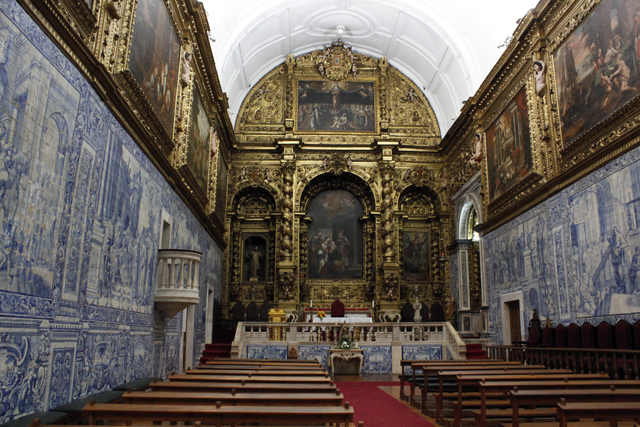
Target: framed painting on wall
[(508, 142), (199, 141), (597, 67), (155, 58), (335, 236), (221, 189), (345, 106), (415, 251)]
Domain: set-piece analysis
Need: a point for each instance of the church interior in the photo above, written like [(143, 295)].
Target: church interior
[(316, 191)]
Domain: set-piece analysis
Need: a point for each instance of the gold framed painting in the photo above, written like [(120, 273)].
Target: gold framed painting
[(508, 147), (154, 60), (199, 149), (597, 67), (347, 106)]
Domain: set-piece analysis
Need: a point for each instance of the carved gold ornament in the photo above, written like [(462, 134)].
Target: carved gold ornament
[(337, 62)]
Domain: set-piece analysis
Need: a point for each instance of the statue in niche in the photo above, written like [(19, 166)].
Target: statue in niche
[(477, 155), (539, 73), (254, 257), (186, 69), (254, 260)]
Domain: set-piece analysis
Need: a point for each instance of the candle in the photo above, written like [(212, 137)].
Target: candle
[(373, 304), (311, 303)]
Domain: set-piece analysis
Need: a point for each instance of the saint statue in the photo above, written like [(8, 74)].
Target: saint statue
[(186, 69), (254, 256)]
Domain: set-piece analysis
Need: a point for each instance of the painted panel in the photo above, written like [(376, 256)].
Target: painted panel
[(377, 359), (509, 147), (597, 67), (415, 247), (199, 141), (326, 106), (155, 58), (581, 253), (335, 235), (267, 352)]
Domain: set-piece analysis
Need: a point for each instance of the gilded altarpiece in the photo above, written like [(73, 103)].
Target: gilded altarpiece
[(347, 128)]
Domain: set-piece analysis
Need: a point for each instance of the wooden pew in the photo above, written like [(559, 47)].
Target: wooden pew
[(262, 372), (274, 362), (219, 367), (222, 415), (233, 398), (407, 364), (575, 381), (472, 379), (551, 397), (452, 373), (251, 378), (433, 368), (611, 411), (201, 386)]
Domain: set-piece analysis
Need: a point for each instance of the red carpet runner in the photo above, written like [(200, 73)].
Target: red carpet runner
[(377, 408)]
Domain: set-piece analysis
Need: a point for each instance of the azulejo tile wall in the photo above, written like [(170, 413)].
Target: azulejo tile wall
[(267, 352), (80, 222), (421, 352), (575, 256), (317, 352), (377, 359)]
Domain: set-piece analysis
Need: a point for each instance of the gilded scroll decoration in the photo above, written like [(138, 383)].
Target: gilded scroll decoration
[(265, 102)]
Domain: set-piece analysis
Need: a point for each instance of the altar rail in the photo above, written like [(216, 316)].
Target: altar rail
[(394, 335), (619, 364)]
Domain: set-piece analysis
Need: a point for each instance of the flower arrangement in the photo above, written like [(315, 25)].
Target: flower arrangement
[(322, 315)]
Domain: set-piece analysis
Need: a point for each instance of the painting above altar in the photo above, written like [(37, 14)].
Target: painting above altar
[(335, 236), (326, 106)]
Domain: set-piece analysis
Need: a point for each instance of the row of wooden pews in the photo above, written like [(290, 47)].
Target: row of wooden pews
[(234, 391), (490, 393)]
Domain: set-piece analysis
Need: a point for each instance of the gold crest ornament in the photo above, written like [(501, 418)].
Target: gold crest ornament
[(336, 62)]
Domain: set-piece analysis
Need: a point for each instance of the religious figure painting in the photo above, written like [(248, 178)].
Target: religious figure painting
[(155, 58), (335, 236), (598, 67), (199, 142), (415, 249), (509, 147), (221, 189), (255, 250), (346, 106)]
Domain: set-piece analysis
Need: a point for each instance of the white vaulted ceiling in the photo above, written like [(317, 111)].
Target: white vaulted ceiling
[(447, 47)]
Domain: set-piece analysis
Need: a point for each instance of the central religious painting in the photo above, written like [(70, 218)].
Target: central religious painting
[(345, 106), (335, 236)]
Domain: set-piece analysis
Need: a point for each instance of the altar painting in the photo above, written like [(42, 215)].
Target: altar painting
[(326, 106), (415, 251), (508, 139), (155, 58), (597, 67), (335, 236)]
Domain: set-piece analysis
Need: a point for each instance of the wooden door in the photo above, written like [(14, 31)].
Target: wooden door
[(514, 321)]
